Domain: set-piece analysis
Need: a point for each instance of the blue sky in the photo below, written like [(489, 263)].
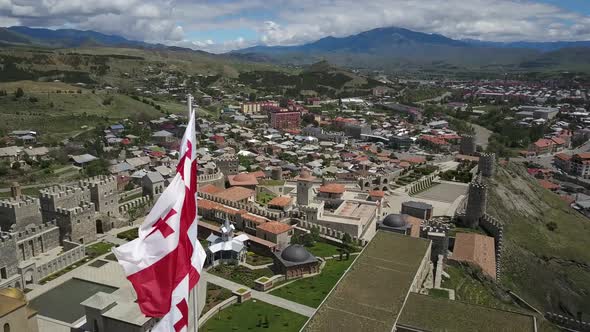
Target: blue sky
[(223, 25)]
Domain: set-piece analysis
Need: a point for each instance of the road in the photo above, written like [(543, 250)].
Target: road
[(265, 297), (435, 99), (482, 135)]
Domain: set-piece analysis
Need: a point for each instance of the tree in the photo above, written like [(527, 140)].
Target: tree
[(315, 233), (97, 167), (308, 240), (19, 93)]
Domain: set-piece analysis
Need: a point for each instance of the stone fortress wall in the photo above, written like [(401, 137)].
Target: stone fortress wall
[(19, 212)]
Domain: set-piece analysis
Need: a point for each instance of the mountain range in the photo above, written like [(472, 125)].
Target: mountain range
[(399, 49), (390, 48)]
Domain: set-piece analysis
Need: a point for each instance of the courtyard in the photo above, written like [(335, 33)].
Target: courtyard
[(62, 303), (444, 192)]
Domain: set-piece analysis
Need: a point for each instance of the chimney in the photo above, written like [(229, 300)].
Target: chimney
[(15, 190)]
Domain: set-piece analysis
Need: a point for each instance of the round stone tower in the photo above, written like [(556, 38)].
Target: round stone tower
[(468, 145), (276, 173), (487, 164), (476, 204)]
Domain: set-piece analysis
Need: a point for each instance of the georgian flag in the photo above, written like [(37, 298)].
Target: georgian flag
[(164, 263)]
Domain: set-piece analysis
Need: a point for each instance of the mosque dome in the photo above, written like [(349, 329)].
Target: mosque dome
[(395, 221), (295, 253)]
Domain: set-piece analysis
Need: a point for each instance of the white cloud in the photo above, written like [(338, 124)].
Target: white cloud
[(288, 22)]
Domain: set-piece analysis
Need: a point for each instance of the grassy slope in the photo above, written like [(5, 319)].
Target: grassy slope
[(550, 269), (69, 112)]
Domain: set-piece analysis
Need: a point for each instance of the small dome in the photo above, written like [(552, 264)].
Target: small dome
[(295, 253), (395, 220), (14, 293), (243, 177)]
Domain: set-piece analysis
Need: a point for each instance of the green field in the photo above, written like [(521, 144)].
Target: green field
[(323, 249), (312, 291), (254, 316), (98, 249)]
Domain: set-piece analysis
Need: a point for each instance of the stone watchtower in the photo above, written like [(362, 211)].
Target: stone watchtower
[(487, 164), (468, 146), (61, 197), (228, 164), (103, 193), (476, 204), (19, 211), (304, 187)]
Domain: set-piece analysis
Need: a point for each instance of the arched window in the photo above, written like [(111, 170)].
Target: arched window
[(6, 327)]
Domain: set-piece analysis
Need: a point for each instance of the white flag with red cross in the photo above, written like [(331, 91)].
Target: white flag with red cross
[(164, 263)]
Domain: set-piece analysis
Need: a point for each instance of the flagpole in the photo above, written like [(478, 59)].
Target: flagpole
[(193, 292)]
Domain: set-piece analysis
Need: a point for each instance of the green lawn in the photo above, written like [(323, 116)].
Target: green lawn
[(323, 249), (128, 235), (312, 291), (263, 198), (98, 249), (255, 259), (215, 295), (255, 316), (240, 274)]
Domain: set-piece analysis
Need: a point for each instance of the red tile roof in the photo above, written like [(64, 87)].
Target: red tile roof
[(543, 143), (243, 179), (376, 193), (236, 194), (274, 227), (562, 156), (333, 188), (210, 189), (476, 249), (281, 201)]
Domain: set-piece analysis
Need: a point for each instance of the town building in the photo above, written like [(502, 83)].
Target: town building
[(295, 261)]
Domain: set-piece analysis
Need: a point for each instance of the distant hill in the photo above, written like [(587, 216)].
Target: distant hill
[(64, 37), (403, 49)]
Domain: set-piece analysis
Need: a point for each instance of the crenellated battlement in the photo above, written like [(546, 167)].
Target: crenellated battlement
[(83, 208), (100, 180), (22, 202), (60, 191), (34, 230)]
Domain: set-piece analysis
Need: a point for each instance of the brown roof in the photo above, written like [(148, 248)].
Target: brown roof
[(415, 160), (377, 193), (416, 223), (243, 179), (274, 227), (281, 201), (9, 304), (333, 188), (236, 194), (305, 175), (563, 156), (549, 185), (476, 249), (210, 189)]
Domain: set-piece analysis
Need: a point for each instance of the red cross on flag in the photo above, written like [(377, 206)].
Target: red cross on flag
[(164, 263)]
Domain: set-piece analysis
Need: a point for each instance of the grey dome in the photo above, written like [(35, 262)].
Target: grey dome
[(295, 253), (395, 221)]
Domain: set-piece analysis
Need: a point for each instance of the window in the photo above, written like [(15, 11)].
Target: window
[(6, 327), (3, 273)]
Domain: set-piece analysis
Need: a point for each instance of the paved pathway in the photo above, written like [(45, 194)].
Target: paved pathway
[(265, 297)]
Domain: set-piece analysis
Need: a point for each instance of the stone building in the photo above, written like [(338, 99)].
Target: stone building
[(19, 212), (295, 261), (228, 164), (226, 249), (104, 194), (487, 164), (60, 196), (77, 224), (476, 204), (15, 313), (276, 232), (417, 209), (304, 187), (153, 185), (401, 223), (9, 276)]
